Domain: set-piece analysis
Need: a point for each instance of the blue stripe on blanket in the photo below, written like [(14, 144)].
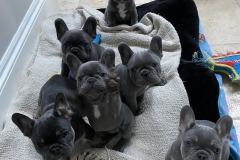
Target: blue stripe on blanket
[(222, 103)]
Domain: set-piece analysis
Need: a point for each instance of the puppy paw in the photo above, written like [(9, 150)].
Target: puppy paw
[(162, 82), (139, 111), (112, 81)]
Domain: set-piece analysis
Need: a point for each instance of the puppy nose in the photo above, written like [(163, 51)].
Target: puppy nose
[(91, 81), (74, 50), (202, 157), (145, 73), (56, 151)]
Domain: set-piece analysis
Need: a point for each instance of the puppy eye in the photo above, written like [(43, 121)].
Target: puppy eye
[(133, 69), (189, 143), (102, 74), (80, 78), (84, 44), (39, 146), (154, 64), (65, 134), (216, 150)]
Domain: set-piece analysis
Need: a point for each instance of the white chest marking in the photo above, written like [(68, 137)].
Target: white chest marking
[(121, 8), (96, 111)]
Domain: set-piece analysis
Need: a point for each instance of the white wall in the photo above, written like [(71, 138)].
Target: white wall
[(23, 32), (12, 13)]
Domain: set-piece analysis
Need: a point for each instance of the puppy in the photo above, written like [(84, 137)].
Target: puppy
[(200, 139), (59, 125), (105, 111), (121, 12), (138, 72), (78, 42)]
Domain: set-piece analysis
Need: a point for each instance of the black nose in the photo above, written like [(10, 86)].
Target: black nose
[(202, 157), (91, 81), (74, 50), (56, 151), (145, 73)]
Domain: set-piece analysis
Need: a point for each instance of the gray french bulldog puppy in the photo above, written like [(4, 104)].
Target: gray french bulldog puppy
[(200, 139), (121, 12), (78, 42), (59, 124), (103, 106), (138, 72)]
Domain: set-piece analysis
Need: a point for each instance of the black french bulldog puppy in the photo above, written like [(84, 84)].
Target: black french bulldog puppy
[(138, 72), (59, 125), (78, 42), (103, 106), (121, 12)]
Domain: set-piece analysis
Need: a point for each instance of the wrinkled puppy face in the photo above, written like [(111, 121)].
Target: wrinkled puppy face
[(90, 78), (144, 68), (77, 41), (90, 75), (52, 133), (53, 137), (202, 143)]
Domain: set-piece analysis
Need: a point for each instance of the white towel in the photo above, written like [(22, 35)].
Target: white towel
[(154, 130)]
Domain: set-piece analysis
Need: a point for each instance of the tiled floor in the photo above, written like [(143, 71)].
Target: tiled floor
[(221, 25)]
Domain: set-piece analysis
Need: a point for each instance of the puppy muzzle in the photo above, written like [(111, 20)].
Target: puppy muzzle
[(199, 155)]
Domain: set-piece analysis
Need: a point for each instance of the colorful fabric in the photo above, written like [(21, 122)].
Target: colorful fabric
[(222, 103)]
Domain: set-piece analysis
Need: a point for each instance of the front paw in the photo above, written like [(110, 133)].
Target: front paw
[(111, 24), (162, 82), (112, 81), (139, 111)]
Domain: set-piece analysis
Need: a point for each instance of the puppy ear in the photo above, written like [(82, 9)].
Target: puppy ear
[(61, 27), (61, 107), (125, 52), (108, 58), (90, 27), (156, 46), (187, 119), (24, 123), (223, 127), (73, 63)]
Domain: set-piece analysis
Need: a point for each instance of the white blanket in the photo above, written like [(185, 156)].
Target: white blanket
[(154, 130)]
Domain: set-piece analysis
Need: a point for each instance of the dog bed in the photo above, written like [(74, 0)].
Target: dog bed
[(154, 130)]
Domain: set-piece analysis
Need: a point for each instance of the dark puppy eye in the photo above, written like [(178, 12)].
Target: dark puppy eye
[(80, 78), (39, 146), (133, 69), (216, 150), (154, 64), (102, 74), (65, 134), (84, 44), (189, 143)]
